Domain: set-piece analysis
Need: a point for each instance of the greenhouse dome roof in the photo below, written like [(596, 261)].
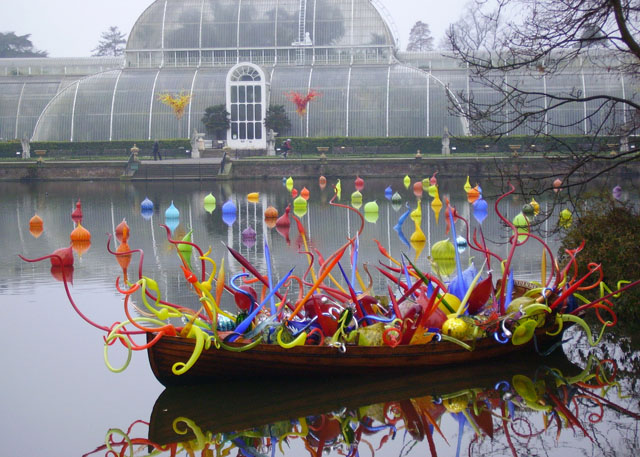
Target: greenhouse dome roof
[(360, 101), (191, 25)]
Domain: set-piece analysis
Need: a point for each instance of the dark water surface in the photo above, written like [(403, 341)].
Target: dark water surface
[(59, 399)]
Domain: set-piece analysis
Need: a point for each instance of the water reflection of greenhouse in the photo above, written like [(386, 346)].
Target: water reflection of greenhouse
[(248, 55), (327, 227)]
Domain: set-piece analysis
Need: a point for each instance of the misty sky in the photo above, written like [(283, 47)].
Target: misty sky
[(72, 28)]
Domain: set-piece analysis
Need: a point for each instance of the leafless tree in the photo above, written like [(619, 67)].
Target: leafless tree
[(513, 48), (475, 30)]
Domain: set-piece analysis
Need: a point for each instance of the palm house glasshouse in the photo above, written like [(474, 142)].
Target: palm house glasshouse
[(248, 55)]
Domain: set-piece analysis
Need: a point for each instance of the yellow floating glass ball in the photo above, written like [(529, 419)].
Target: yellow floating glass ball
[(443, 255), (455, 327)]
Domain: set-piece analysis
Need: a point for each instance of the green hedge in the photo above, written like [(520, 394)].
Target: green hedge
[(469, 144), (9, 148), (368, 145), (399, 145), (94, 148)]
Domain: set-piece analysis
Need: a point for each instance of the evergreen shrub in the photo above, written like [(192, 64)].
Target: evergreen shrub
[(611, 231)]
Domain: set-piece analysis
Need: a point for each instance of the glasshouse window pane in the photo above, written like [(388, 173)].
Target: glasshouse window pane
[(258, 111), (250, 94), (234, 94), (181, 24), (220, 24), (242, 112), (257, 23), (287, 19), (250, 113), (258, 90), (234, 130), (234, 112), (250, 131), (258, 132), (242, 94), (243, 131)]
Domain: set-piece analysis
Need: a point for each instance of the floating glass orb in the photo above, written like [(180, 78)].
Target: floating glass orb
[(461, 243)]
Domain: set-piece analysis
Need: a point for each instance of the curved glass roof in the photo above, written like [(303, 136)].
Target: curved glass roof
[(191, 25), (361, 100), (28, 84), (22, 100)]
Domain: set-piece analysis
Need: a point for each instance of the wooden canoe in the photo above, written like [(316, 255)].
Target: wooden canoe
[(269, 360), (254, 402)]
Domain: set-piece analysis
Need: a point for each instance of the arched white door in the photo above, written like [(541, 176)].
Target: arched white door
[(246, 99)]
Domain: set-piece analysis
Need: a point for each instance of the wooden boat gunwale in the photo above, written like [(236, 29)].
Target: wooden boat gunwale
[(272, 360)]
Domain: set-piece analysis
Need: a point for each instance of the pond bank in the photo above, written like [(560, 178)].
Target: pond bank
[(277, 167)]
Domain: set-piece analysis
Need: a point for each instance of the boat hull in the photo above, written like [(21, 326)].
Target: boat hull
[(255, 404), (269, 360)]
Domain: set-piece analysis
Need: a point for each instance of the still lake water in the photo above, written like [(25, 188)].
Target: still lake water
[(59, 399)]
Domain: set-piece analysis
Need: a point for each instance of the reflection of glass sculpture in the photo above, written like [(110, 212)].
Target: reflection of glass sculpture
[(146, 205), (229, 218), (172, 223), (388, 193), (249, 237), (371, 212), (209, 203), (300, 206), (229, 212), (36, 226), (518, 406)]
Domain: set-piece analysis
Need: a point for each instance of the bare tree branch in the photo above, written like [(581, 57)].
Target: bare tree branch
[(547, 68)]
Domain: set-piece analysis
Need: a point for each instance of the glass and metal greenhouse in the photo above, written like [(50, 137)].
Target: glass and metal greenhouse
[(248, 55)]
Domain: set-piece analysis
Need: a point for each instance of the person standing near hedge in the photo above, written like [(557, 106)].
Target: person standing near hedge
[(286, 147), (156, 151)]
